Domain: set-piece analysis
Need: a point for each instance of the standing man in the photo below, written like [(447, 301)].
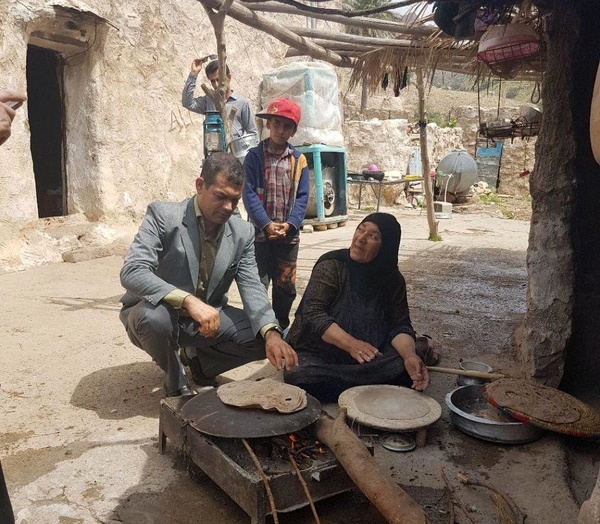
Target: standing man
[(177, 274), (243, 121)]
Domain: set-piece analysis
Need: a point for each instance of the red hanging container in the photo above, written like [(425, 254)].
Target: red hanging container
[(504, 48)]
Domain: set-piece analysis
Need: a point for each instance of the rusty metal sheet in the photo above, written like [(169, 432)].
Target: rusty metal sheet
[(207, 413)]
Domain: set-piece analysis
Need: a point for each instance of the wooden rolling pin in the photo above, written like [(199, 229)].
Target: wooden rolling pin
[(467, 373)]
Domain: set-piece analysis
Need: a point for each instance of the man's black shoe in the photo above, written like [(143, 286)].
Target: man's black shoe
[(200, 379), (183, 391)]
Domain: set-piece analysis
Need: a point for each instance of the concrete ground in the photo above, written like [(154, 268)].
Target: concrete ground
[(79, 403)]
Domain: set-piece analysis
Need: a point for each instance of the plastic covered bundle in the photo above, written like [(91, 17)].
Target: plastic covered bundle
[(314, 87)]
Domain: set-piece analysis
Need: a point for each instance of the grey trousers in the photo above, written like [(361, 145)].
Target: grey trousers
[(160, 331)]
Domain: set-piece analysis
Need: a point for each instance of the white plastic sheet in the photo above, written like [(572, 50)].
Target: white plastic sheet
[(314, 87)]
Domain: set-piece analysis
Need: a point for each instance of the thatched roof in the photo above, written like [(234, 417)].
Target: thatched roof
[(413, 41)]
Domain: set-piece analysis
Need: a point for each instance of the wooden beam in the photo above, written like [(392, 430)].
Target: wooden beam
[(409, 45), (245, 16), (466, 67), (292, 53), (335, 46), (348, 38), (359, 21)]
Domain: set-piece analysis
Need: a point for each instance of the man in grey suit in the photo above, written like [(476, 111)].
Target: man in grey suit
[(177, 274)]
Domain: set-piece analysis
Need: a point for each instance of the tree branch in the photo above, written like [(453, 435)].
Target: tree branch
[(349, 14)]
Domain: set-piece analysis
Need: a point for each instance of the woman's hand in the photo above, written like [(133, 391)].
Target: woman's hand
[(417, 371), (361, 351)]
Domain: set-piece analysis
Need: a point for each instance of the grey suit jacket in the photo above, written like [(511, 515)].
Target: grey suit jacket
[(165, 255)]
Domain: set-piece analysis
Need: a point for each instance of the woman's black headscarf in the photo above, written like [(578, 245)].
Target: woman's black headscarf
[(382, 272)]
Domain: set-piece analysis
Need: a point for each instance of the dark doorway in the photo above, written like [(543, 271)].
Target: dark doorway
[(46, 124)]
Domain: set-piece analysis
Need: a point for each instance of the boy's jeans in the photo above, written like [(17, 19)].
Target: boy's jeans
[(276, 262)]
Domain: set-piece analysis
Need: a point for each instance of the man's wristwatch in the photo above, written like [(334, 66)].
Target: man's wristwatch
[(274, 328)]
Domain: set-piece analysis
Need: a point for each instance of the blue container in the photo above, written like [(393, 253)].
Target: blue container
[(328, 202)]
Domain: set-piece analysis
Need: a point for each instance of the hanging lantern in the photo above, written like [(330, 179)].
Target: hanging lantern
[(504, 48), (214, 133)]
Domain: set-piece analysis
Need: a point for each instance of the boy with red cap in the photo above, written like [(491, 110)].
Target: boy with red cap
[(275, 196)]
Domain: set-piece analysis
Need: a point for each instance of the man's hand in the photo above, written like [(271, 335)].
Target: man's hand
[(207, 316), (279, 352), (7, 113), (197, 65), (417, 371)]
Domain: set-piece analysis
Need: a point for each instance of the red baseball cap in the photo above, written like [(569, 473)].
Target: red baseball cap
[(283, 107)]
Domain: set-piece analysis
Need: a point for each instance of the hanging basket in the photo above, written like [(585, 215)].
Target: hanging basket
[(504, 48)]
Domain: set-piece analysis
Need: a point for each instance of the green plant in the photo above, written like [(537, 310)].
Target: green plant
[(495, 199), (490, 198), (441, 120), (435, 238)]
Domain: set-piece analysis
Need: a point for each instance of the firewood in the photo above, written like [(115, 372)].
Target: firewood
[(391, 500)]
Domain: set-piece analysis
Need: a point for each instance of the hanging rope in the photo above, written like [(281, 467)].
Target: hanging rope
[(499, 97)]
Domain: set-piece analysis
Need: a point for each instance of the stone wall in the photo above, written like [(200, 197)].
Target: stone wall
[(128, 140), (518, 155), (390, 144)]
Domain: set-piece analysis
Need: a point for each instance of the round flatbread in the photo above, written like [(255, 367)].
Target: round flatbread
[(266, 394)]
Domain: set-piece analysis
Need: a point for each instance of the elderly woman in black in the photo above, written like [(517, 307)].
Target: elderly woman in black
[(353, 325)]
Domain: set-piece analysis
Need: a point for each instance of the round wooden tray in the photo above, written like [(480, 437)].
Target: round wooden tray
[(544, 407), (391, 408)]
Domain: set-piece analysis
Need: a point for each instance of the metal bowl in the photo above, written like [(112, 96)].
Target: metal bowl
[(471, 413), (471, 365)]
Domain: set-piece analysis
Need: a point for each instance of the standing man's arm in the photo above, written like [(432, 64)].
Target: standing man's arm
[(198, 105), (247, 119)]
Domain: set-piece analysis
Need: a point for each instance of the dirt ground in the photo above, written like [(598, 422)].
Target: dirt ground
[(79, 404)]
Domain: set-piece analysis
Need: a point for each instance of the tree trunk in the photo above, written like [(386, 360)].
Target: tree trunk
[(219, 98), (583, 351), (389, 498), (433, 224), (547, 324), (364, 96)]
